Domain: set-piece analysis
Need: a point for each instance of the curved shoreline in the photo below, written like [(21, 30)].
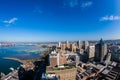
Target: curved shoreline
[(14, 59)]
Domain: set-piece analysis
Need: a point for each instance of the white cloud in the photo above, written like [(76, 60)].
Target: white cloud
[(71, 3), (77, 3), (11, 21), (110, 18), (86, 4)]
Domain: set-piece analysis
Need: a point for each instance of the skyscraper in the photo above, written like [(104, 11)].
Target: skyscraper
[(108, 58), (67, 44), (79, 44), (100, 51), (86, 44), (63, 46), (59, 44), (73, 47), (91, 51)]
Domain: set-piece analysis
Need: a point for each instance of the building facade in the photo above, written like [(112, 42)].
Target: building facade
[(91, 51), (100, 51)]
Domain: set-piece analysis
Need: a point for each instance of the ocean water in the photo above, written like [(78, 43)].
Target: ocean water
[(6, 64), (21, 52)]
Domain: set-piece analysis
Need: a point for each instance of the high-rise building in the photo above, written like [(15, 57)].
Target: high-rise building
[(77, 59), (59, 44), (54, 58), (73, 47), (86, 45), (100, 51), (108, 58), (63, 46), (91, 51), (79, 44), (115, 57), (67, 44), (57, 59)]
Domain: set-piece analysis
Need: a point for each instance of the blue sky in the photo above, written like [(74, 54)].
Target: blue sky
[(59, 20)]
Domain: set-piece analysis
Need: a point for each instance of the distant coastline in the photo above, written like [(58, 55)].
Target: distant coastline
[(19, 60), (14, 59)]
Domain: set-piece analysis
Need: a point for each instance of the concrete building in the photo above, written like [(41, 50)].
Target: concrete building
[(100, 51), (77, 59), (86, 45), (91, 51), (81, 51), (108, 58), (115, 57), (56, 59), (63, 46), (59, 44), (67, 45), (79, 44), (67, 74), (73, 47)]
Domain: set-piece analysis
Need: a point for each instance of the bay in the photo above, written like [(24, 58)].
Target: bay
[(21, 52)]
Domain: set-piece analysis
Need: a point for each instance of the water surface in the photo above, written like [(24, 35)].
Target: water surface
[(21, 52)]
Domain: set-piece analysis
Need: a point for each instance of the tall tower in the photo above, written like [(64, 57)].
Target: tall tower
[(91, 51), (100, 51), (67, 44), (73, 47), (86, 45), (79, 44), (63, 46), (108, 58), (59, 44)]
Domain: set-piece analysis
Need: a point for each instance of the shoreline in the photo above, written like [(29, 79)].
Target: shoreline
[(23, 62), (14, 59)]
